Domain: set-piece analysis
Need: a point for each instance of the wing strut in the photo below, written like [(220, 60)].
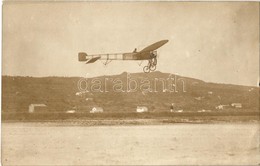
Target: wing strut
[(107, 61), (140, 63)]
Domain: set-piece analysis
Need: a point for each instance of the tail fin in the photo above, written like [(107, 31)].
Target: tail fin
[(82, 56)]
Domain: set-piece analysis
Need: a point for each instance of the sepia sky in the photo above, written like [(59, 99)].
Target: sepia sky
[(215, 42)]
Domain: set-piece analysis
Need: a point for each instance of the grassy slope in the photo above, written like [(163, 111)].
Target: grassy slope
[(58, 93)]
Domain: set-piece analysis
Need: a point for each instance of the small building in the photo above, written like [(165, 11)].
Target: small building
[(78, 93), (97, 110), (89, 99), (37, 107), (140, 109), (236, 105), (198, 98), (203, 110), (70, 111), (251, 89), (221, 107)]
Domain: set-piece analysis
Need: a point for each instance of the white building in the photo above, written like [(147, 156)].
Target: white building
[(70, 111), (89, 99), (96, 110), (141, 109), (221, 107), (204, 110), (179, 111), (236, 105), (32, 107)]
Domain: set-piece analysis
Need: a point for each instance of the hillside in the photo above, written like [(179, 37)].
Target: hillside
[(62, 93)]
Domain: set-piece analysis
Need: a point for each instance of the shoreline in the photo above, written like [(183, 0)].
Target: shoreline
[(136, 122)]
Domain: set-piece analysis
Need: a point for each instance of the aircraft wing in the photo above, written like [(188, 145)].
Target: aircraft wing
[(154, 46), (92, 60)]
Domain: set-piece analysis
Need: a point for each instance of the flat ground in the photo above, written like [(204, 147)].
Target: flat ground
[(173, 144)]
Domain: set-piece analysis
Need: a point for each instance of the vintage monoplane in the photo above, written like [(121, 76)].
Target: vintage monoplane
[(148, 53)]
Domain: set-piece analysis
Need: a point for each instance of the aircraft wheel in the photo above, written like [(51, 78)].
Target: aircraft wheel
[(155, 62), (146, 69), (153, 68)]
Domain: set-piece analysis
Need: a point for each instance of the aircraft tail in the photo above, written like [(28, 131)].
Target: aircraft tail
[(82, 56)]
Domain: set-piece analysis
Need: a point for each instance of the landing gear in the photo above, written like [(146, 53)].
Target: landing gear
[(151, 66), (146, 69)]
